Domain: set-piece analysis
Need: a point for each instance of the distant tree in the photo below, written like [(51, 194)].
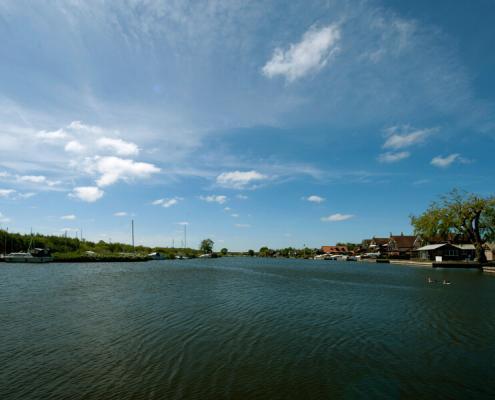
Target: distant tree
[(266, 252), (206, 246), (462, 214), (250, 253), (224, 251)]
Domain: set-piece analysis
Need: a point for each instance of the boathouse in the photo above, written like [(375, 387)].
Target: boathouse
[(447, 252)]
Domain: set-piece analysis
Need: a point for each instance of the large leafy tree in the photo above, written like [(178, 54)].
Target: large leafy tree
[(461, 214), (206, 246)]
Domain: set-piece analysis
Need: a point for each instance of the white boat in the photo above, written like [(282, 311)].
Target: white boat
[(156, 256), (207, 255), (27, 258)]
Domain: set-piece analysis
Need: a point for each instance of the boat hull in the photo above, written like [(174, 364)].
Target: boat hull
[(31, 260)]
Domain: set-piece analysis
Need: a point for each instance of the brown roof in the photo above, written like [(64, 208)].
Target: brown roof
[(334, 249), (380, 241), (403, 241)]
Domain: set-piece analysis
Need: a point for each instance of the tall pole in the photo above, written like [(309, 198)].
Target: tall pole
[(185, 236), (132, 227)]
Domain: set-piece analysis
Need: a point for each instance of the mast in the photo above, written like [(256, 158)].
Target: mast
[(132, 229), (185, 236)]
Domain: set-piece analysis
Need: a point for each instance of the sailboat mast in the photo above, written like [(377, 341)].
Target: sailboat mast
[(132, 229), (185, 236)]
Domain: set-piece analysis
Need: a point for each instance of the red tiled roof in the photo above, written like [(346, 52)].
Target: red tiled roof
[(334, 249)]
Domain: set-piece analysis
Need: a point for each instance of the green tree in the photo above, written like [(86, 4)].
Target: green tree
[(465, 215), (266, 252), (224, 251), (250, 253), (206, 246)]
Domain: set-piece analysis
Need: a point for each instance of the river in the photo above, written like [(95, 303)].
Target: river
[(245, 328)]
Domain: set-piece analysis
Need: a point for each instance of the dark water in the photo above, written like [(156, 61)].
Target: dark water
[(244, 329)]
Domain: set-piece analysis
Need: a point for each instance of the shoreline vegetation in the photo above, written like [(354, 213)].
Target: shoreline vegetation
[(458, 217)]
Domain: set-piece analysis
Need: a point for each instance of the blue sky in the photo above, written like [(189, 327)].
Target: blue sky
[(255, 123)]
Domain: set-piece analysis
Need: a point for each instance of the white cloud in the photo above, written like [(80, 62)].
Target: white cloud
[(227, 208), (75, 147), (390, 157), (120, 214), (309, 55), (119, 146), (315, 199), (113, 169), (32, 178), (87, 193), (4, 174), (79, 127), (167, 202), (6, 192), (220, 199), (234, 215), (337, 217), (404, 136), (52, 136), (444, 162), (37, 179), (239, 179), (242, 226), (242, 197), (184, 223), (68, 217)]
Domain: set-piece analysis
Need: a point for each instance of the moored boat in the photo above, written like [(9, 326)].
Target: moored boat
[(34, 256)]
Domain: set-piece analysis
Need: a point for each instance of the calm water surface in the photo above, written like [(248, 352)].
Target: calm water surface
[(243, 328)]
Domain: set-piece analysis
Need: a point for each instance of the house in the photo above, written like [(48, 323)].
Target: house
[(334, 249), (403, 245), (378, 245), (446, 252)]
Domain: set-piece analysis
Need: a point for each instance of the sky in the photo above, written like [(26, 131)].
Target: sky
[(252, 123)]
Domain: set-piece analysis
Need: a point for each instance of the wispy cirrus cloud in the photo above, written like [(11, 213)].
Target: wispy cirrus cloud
[(309, 55), (120, 214), (69, 217)]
